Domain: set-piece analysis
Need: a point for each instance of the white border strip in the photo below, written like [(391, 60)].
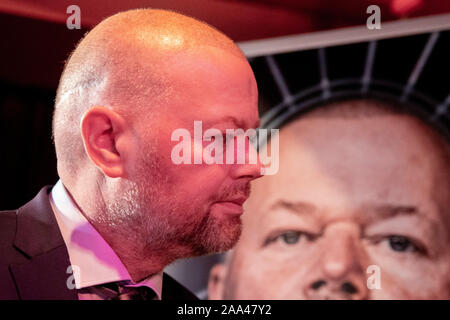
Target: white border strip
[(342, 36)]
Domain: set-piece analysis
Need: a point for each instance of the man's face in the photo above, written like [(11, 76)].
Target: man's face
[(358, 210), (192, 207)]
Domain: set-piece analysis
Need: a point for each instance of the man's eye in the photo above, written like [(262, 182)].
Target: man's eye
[(289, 238), (229, 137), (401, 244), (224, 137), (212, 138)]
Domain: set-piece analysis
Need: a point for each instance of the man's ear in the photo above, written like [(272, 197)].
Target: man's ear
[(104, 132), (216, 281)]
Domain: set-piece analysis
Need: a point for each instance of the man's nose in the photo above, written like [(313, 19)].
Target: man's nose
[(247, 163), (340, 275), (327, 290), (340, 257)]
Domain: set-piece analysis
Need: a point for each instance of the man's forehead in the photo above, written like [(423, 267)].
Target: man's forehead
[(215, 91), (323, 176), (367, 143)]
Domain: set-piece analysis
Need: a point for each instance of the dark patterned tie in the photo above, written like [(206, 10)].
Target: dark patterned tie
[(119, 291)]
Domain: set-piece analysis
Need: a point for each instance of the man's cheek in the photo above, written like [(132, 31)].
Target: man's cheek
[(412, 280), (259, 281), (274, 270), (396, 287)]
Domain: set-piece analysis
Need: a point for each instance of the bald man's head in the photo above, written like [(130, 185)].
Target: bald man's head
[(131, 83), (125, 63)]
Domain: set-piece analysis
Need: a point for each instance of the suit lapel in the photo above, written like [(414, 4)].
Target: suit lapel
[(44, 275)]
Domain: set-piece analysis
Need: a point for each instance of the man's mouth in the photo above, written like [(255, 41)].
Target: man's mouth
[(232, 205), (237, 200)]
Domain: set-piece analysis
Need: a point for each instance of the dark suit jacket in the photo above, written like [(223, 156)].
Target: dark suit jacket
[(34, 257)]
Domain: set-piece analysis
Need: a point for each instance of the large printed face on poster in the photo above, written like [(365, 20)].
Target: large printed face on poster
[(359, 208)]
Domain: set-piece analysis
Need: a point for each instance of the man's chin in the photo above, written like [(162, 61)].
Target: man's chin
[(220, 235)]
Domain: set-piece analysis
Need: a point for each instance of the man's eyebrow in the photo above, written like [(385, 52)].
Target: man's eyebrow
[(236, 122), (298, 207), (386, 211)]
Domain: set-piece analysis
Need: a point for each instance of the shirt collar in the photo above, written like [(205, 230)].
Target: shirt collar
[(93, 261)]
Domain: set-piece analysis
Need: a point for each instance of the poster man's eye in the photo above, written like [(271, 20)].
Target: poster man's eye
[(291, 237), (401, 244)]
